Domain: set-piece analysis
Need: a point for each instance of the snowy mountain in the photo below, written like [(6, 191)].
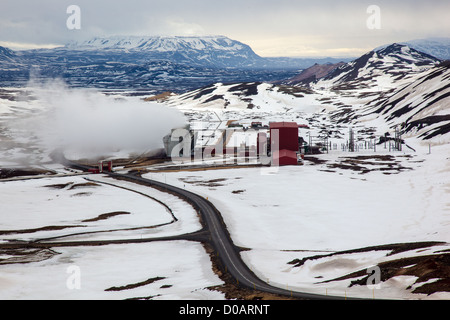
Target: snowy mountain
[(209, 51), (421, 108), (12, 67), (436, 47), (416, 96), (7, 55), (181, 64), (205, 51), (161, 43), (386, 68), (157, 64)]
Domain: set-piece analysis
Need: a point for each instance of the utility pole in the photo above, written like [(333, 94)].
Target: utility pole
[(310, 143), (398, 140), (351, 143)]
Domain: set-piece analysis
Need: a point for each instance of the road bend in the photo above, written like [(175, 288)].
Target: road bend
[(221, 240)]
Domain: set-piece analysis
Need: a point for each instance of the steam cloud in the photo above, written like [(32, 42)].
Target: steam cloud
[(85, 123)]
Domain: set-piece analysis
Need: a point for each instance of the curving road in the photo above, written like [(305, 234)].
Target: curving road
[(221, 241)]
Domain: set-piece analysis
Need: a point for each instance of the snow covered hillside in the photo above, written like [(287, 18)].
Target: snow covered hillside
[(321, 226), (395, 86), (212, 51), (7, 55), (159, 43), (253, 96), (436, 47), (421, 108), (387, 68)]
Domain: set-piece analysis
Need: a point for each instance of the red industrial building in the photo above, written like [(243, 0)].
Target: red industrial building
[(102, 166), (284, 158), (284, 143)]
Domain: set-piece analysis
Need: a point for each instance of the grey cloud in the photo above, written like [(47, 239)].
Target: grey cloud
[(328, 24)]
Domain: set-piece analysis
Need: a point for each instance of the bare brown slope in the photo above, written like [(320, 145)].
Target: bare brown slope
[(317, 71)]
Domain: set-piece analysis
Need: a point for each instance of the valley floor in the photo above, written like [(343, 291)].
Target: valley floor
[(338, 217), (319, 227), (371, 223)]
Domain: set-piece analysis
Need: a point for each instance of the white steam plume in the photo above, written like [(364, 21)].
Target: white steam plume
[(85, 123)]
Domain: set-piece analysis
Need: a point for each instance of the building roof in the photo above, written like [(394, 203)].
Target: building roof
[(276, 125)]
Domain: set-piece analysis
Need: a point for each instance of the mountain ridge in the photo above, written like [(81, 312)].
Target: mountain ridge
[(380, 66), (438, 47), (386, 67), (421, 108), (185, 63), (160, 43), (416, 96), (182, 63)]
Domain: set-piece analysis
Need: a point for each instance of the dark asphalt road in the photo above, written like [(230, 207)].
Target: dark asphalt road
[(221, 241)]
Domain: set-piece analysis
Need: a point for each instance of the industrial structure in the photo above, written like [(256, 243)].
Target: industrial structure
[(284, 144), (184, 139), (278, 143), (102, 166)]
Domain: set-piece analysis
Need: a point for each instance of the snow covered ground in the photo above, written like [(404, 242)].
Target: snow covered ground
[(82, 203), (301, 211), (324, 212), (53, 204), (158, 270), (66, 209), (331, 211)]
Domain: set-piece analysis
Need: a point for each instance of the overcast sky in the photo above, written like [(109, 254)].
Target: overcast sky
[(271, 28)]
